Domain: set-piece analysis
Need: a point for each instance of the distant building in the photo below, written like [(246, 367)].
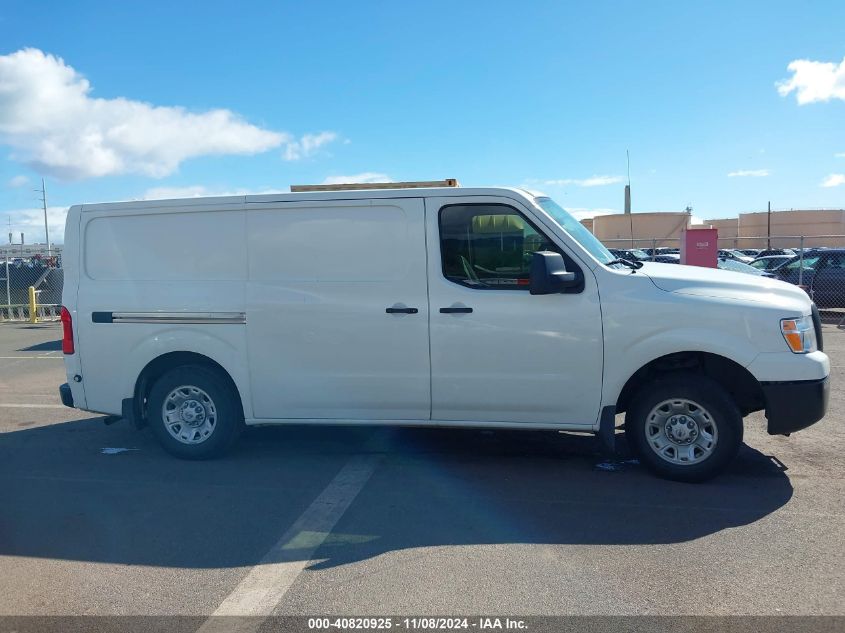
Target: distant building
[(820, 227), (28, 250)]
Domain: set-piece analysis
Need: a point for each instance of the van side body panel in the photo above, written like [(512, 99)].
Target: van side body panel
[(337, 310), (165, 262)]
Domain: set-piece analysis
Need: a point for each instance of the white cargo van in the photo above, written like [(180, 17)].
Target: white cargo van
[(426, 306)]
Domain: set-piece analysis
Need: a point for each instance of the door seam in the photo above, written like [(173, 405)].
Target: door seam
[(428, 300)]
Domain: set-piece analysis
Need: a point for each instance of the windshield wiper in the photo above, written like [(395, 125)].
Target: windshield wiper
[(625, 262)]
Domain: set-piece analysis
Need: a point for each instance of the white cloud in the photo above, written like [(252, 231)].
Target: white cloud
[(593, 181), (31, 222), (198, 191), (50, 120), (166, 193), (834, 180), (308, 145), (814, 81), (18, 181), (839, 155), (367, 176), (749, 173)]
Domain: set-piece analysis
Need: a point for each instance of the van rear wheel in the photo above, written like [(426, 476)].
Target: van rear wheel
[(685, 427), (193, 412)]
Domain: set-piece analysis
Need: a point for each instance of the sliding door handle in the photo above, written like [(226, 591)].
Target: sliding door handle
[(397, 310), (456, 310)]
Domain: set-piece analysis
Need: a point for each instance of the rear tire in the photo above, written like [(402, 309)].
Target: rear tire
[(193, 412), (684, 427)]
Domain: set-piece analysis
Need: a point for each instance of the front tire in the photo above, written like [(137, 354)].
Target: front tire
[(193, 412), (685, 427)]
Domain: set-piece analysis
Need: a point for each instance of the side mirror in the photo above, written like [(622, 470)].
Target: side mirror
[(549, 275)]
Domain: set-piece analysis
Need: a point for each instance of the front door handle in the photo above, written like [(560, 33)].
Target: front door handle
[(456, 310), (396, 310)]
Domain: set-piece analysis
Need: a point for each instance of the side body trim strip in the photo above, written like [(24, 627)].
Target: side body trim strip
[(169, 317)]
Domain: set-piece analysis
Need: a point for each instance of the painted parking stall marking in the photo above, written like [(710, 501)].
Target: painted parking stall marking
[(266, 584)]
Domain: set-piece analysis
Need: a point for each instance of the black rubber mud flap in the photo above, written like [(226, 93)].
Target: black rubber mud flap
[(607, 429)]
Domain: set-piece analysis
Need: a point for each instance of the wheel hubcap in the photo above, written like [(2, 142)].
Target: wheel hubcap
[(681, 431), (192, 413), (189, 414)]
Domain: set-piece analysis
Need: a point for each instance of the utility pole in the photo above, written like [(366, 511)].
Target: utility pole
[(628, 197), (769, 227), (46, 229)]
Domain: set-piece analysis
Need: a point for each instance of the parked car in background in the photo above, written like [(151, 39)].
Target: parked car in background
[(751, 252), (667, 258), (770, 262), (632, 254), (729, 253), (661, 250), (741, 267), (821, 273), (777, 251), (721, 263)]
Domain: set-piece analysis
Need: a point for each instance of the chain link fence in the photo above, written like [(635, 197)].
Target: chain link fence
[(815, 263), (17, 276)]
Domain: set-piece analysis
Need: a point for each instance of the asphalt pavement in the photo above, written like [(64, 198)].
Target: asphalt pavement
[(97, 519)]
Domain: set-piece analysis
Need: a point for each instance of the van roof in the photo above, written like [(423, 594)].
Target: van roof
[(373, 194)]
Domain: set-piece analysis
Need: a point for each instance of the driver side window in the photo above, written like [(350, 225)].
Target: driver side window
[(488, 246)]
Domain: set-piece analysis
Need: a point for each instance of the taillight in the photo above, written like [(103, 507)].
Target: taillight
[(67, 331)]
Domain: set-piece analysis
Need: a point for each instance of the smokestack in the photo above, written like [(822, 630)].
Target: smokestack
[(627, 198)]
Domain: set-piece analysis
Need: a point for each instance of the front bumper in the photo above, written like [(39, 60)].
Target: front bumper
[(66, 395), (792, 406)]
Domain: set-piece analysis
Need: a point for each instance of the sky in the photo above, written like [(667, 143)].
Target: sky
[(723, 106)]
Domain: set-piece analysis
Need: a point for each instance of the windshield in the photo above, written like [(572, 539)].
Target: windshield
[(576, 230)]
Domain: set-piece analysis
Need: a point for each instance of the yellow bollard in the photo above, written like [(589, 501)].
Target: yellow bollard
[(33, 309)]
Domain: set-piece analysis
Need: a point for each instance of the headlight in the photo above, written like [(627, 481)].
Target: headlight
[(799, 334)]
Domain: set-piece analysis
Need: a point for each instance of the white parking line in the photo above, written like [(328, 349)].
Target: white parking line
[(31, 358), (266, 584), (32, 406)]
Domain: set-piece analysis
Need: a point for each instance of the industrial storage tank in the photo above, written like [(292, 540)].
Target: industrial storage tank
[(645, 229), (788, 225), (728, 230)]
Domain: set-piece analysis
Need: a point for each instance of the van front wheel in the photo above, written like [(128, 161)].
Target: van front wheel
[(686, 428), (193, 413)]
